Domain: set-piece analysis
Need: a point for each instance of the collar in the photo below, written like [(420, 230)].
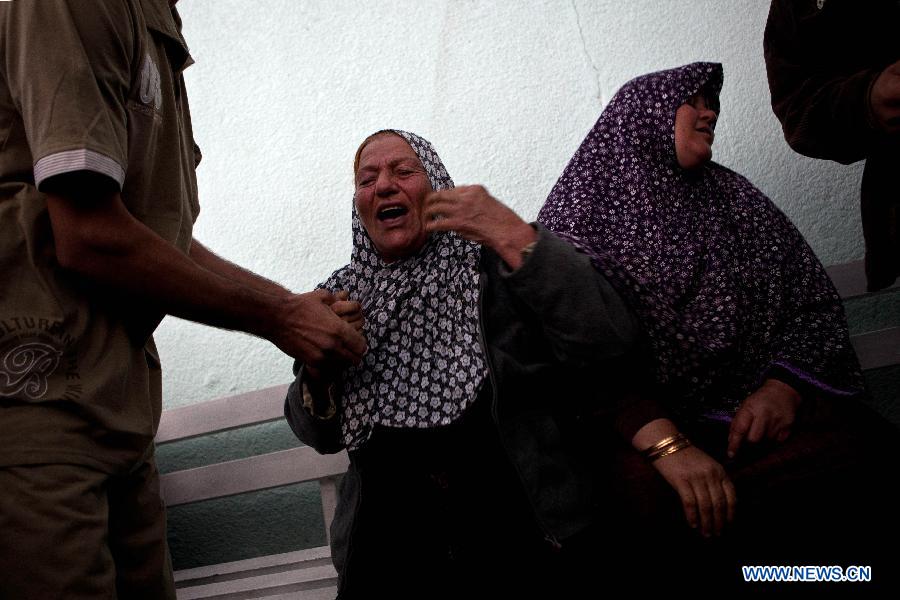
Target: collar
[(166, 22)]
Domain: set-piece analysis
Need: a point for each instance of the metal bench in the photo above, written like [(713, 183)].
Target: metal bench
[(308, 574)]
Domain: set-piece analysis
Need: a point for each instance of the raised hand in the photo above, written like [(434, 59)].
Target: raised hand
[(474, 214)]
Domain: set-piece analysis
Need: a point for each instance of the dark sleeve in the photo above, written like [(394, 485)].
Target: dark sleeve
[(315, 422), (583, 317), (823, 109), (635, 408)]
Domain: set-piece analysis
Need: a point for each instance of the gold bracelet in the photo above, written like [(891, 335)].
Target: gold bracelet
[(670, 449), (660, 444), (665, 446)]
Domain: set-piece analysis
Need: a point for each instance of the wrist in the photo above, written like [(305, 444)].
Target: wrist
[(784, 389), (265, 314), (652, 433), (665, 447), (514, 246)]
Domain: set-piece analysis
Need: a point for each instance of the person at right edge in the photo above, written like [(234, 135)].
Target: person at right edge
[(834, 76), (751, 354)]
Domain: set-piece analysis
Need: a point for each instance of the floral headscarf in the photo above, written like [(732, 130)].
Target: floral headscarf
[(725, 286), (425, 364)]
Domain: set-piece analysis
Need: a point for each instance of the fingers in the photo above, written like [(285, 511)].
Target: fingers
[(719, 503), (704, 508), (343, 308), (689, 504), (730, 498), (758, 428), (353, 344), (324, 296), (740, 425), (440, 208), (353, 315), (315, 334)]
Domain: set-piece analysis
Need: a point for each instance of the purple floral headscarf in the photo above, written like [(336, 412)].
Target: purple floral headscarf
[(425, 364), (727, 289)]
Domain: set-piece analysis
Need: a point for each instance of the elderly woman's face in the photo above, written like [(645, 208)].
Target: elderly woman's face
[(694, 122), (391, 186)]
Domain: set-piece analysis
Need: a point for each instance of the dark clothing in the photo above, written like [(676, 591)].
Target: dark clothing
[(552, 330), (822, 62), (825, 496), (448, 518)]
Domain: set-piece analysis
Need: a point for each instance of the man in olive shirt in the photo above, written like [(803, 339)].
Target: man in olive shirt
[(98, 198)]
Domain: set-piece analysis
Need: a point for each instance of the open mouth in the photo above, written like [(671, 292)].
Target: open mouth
[(706, 130), (391, 212)]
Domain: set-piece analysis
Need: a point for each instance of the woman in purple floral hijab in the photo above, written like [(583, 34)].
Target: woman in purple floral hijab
[(730, 293), (747, 332)]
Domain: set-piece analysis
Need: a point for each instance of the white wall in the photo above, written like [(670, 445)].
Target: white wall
[(283, 91)]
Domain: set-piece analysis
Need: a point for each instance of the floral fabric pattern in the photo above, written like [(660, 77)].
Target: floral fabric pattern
[(726, 288), (425, 363)]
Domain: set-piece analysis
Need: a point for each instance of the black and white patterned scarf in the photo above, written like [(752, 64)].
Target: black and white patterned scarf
[(425, 363)]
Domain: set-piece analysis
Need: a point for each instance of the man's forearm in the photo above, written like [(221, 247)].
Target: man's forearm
[(115, 250), (210, 261)]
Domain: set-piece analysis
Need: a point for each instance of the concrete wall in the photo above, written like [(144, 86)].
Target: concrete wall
[(283, 91)]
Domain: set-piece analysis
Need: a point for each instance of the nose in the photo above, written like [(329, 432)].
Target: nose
[(709, 116), (385, 184)]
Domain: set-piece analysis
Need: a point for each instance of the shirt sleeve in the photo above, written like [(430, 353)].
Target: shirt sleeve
[(68, 67)]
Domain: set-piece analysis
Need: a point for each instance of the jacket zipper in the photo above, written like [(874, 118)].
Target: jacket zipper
[(548, 536)]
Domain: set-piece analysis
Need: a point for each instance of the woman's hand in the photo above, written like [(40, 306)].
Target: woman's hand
[(349, 310), (707, 495), (474, 214), (767, 413)]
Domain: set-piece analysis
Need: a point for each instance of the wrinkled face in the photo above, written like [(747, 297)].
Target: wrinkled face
[(391, 185), (694, 124)]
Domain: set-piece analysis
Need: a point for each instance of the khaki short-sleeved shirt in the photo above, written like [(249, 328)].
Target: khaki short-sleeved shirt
[(85, 86)]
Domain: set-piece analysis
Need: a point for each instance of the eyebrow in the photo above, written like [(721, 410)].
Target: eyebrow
[(393, 163)]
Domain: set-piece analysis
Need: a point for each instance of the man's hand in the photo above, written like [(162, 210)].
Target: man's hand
[(311, 332), (474, 214), (885, 99), (767, 413)]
